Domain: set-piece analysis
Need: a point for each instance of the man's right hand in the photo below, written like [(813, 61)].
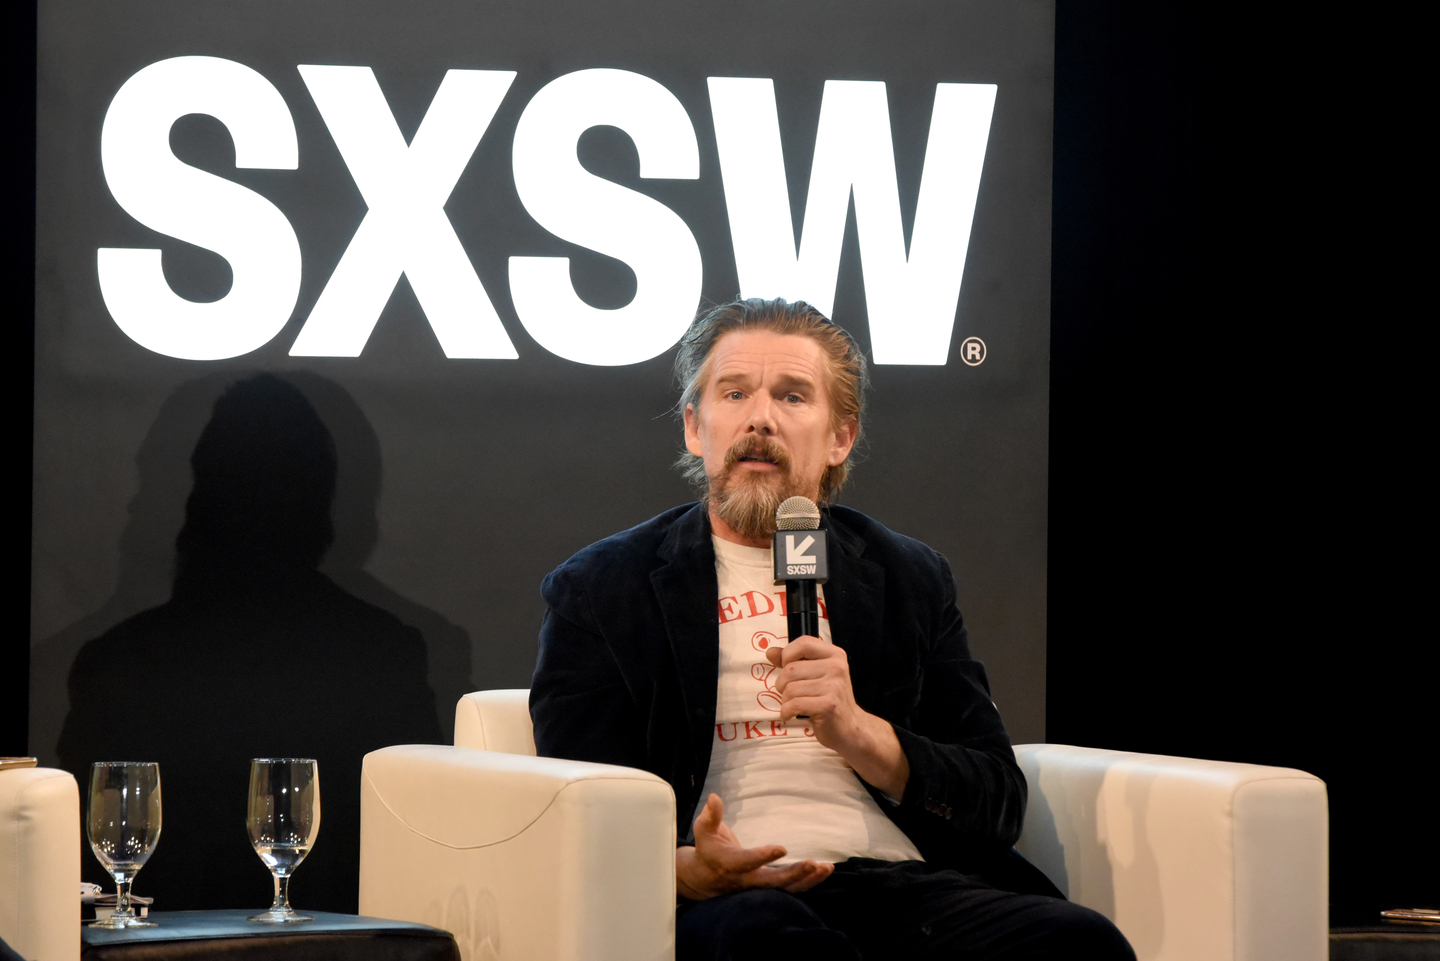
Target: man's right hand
[(717, 864)]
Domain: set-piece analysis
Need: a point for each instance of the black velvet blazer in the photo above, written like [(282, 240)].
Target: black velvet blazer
[(629, 659)]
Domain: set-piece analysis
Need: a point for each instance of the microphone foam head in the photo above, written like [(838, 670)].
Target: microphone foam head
[(797, 514)]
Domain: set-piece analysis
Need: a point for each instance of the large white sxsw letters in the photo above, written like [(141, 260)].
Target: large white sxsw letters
[(573, 203), (155, 188), (910, 301), (405, 230)]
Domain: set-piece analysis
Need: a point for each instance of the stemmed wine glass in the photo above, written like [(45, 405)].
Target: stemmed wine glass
[(284, 818), (123, 827)]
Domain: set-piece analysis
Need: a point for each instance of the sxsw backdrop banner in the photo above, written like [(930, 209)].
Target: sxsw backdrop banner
[(433, 258)]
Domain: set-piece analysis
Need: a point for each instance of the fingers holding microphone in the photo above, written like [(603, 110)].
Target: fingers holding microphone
[(813, 681)]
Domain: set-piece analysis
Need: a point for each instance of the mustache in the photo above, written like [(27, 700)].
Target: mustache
[(757, 447)]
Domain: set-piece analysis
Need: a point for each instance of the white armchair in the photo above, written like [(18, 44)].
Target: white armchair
[(520, 857), (40, 863), (1192, 860), (535, 858)]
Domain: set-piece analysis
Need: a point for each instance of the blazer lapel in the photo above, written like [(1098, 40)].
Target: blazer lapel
[(688, 592), (855, 603)]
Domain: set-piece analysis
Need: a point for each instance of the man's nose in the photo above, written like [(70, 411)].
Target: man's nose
[(762, 411)]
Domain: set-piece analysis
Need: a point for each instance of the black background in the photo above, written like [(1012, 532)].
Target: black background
[(1235, 449), (1237, 550)]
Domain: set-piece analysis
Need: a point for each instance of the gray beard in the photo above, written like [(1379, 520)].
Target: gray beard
[(748, 504)]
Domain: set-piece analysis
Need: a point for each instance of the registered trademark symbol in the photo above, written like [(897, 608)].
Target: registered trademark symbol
[(972, 351)]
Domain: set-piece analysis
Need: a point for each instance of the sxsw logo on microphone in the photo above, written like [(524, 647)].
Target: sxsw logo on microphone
[(801, 555), (911, 294)]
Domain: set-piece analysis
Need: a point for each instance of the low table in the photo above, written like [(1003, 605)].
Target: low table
[(186, 935), (1358, 933)]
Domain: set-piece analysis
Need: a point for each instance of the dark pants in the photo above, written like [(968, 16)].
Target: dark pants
[(900, 910)]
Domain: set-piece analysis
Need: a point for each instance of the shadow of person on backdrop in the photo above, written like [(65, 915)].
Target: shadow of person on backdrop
[(145, 569), (256, 654), (357, 492)]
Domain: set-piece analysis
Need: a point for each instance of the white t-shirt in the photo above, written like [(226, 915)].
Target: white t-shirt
[(779, 784)]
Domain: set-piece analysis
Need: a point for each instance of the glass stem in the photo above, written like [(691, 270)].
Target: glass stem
[(122, 897), (282, 892)]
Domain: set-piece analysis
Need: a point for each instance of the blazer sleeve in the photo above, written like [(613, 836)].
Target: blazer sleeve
[(966, 794), (580, 705)]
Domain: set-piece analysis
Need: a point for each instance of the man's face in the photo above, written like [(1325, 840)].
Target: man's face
[(764, 427)]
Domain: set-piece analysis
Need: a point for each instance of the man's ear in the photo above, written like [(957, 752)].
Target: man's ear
[(692, 431), (844, 440)]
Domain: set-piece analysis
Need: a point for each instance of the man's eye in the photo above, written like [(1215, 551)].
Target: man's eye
[(793, 398), (734, 395)]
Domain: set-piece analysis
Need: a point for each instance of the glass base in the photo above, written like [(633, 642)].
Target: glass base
[(118, 922), (281, 915)]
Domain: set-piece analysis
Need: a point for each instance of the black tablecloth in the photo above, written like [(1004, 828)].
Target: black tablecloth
[(185, 935)]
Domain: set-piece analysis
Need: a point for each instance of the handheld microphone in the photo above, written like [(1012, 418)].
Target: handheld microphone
[(801, 561)]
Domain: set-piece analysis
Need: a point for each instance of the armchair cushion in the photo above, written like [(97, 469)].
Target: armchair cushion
[(495, 721)]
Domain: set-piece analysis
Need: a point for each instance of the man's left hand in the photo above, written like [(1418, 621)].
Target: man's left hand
[(814, 680)]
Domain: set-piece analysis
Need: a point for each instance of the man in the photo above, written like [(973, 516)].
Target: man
[(853, 793)]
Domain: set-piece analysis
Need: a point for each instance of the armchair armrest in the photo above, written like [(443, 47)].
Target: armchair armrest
[(40, 863), (1191, 859), (520, 857)]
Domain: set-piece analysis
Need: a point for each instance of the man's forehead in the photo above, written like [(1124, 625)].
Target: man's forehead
[(764, 353)]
